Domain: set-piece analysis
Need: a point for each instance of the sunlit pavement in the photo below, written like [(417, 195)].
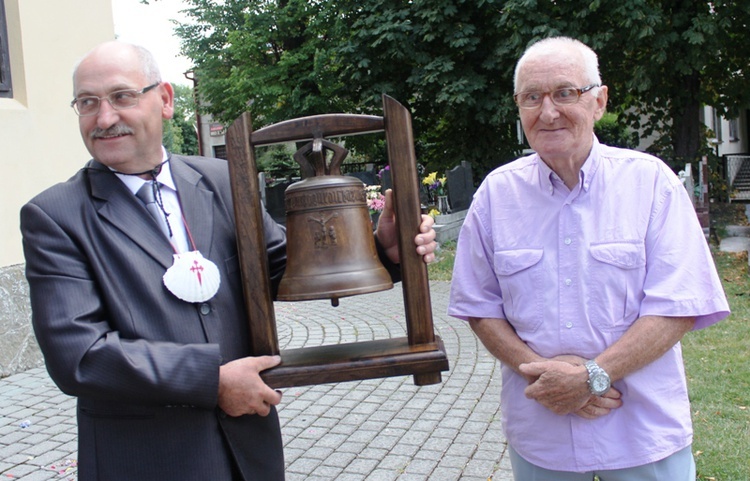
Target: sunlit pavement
[(374, 430)]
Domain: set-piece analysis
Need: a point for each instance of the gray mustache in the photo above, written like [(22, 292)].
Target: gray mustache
[(116, 129)]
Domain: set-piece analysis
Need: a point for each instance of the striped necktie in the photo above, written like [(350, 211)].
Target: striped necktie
[(146, 194)]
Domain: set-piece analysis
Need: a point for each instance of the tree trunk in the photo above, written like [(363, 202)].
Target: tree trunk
[(686, 139)]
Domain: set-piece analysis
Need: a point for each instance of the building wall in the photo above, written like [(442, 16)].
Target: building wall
[(213, 140), (39, 140), (730, 136)]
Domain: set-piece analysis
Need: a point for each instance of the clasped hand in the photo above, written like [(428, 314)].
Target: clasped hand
[(561, 386)]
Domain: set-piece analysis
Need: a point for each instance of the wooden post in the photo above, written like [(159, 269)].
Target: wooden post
[(415, 284), (251, 242)]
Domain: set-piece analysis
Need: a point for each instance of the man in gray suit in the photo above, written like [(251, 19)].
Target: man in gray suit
[(165, 384)]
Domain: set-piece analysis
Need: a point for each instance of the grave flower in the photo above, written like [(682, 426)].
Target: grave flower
[(375, 199), (436, 185)]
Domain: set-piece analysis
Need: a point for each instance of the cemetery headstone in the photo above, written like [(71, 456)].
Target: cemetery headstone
[(460, 186)]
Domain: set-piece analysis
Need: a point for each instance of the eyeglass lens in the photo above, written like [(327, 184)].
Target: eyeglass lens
[(564, 96), (122, 99)]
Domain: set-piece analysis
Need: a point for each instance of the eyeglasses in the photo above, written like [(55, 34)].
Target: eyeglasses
[(119, 100), (559, 97)]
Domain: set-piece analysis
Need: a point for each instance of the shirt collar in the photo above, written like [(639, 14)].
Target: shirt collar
[(589, 167), (165, 175), (164, 178)]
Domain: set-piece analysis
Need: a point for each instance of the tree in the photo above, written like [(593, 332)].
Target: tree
[(662, 60), (446, 61), (267, 56), (184, 118), (288, 58), (180, 135), (451, 63)]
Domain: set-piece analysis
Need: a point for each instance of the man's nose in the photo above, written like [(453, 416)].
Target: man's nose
[(548, 111), (107, 115)]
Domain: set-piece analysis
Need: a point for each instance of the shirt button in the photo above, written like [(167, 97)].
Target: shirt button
[(205, 309), (568, 282), (568, 241), (568, 324)]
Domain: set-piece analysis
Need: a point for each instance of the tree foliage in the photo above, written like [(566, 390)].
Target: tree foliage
[(451, 63), (662, 60), (266, 56), (180, 135)]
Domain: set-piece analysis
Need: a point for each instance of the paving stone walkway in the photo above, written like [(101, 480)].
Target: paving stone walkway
[(374, 430)]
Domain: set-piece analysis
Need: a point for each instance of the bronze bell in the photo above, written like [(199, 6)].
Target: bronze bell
[(330, 244)]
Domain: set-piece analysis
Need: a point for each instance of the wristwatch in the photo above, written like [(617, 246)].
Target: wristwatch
[(599, 382)]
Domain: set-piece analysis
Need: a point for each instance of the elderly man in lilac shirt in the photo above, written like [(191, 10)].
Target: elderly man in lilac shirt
[(580, 267)]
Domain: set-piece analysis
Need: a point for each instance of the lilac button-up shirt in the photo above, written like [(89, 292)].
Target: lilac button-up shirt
[(572, 271)]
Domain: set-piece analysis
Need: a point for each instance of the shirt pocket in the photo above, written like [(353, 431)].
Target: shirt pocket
[(519, 274), (615, 284)]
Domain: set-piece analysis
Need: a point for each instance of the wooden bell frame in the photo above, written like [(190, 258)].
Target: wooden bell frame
[(422, 353)]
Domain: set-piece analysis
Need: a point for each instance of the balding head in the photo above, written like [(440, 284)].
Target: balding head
[(135, 55)]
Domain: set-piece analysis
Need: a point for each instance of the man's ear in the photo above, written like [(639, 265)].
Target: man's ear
[(167, 97), (601, 102)]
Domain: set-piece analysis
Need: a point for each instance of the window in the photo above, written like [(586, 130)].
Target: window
[(717, 126), (6, 89), (734, 130), (220, 152)]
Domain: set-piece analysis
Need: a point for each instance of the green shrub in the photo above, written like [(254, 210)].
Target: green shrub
[(610, 131)]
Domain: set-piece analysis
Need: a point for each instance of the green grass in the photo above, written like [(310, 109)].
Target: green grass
[(442, 268), (717, 361)]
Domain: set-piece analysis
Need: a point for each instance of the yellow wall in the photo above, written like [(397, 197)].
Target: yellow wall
[(39, 140)]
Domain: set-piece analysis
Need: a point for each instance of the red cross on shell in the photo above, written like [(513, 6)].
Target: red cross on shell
[(192, 277)]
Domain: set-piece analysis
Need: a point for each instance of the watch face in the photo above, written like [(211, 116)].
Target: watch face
[(599, 384)]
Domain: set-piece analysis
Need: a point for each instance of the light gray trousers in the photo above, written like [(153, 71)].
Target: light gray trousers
[(678, 467)]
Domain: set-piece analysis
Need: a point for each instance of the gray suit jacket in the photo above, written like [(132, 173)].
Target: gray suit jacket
[(144, 364)]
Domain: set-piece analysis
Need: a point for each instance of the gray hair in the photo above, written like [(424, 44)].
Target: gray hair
[(554, 45)]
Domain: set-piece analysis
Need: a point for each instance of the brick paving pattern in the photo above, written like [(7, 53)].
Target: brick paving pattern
[(375, 430)]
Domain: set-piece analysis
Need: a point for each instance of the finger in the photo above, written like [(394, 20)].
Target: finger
[(427, 235), (427, 223), (593, 411), (606, 403), (427, 241), (532, 368), (388, 206), (268, 398), (261, 409), (267, 362), (427, 258), (428, 250), (612, 394), (586, 414)]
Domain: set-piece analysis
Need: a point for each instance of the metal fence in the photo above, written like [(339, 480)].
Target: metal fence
[(733, 166)]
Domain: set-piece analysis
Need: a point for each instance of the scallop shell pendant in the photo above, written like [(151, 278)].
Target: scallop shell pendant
[(192, 277)]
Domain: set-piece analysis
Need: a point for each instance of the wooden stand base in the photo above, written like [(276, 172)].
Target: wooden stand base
[(359, 360)]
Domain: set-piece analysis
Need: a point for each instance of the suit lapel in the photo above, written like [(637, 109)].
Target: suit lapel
[(197, 204), (118, 206)]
